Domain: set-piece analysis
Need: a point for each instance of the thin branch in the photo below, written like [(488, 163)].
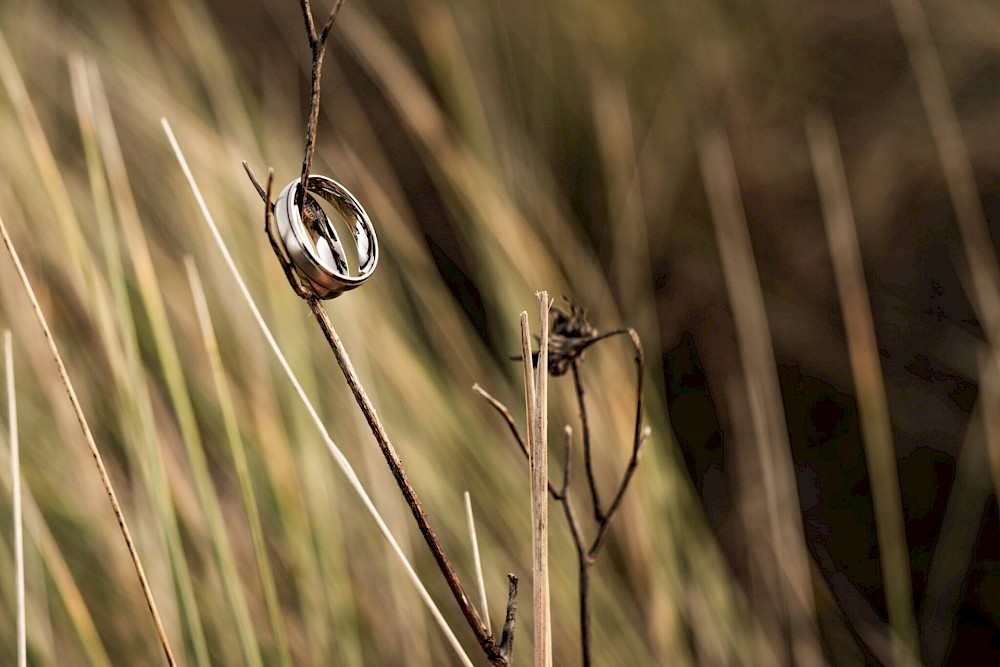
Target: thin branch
[(595, 499), (639, 437), (510, 621), (486, 640), (317, 43), (256, 183), (584, 560), (512, 425), (505, 413), (567, 447), (89, 437), (272, 234)]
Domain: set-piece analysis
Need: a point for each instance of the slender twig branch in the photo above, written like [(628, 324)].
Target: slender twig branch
[(486, 640), (317, 43), (256, 184), (639, 437), (482, 633), (272, 234), (510, 621), (509, 418), (585, 428), (563, 497)]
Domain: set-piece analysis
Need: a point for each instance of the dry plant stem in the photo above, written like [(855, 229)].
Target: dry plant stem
[(595, 498), (317, 43), (15, 481), (98, 460), (538, 427), (510, 621), (484, 637), (584, 561)]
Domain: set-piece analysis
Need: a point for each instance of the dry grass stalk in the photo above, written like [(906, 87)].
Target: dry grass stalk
[(536, 399), (880, 452), (88, 435), (480, 581), (15, 481)]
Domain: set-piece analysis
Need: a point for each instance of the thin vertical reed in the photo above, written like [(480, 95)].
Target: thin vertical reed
[(15, 482)]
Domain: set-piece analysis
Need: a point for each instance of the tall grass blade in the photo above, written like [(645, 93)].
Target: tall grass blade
[(880, 452), (62, 577), (764, 394), (480, 582)]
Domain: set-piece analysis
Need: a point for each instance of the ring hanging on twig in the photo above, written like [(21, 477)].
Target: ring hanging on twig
[(312, 243)]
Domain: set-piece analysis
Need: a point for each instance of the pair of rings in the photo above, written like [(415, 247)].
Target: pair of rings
[(311, 240)]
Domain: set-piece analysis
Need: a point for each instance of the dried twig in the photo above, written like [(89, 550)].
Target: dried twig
[(572, 336), (486, 640), (317, 43), (510, 620)]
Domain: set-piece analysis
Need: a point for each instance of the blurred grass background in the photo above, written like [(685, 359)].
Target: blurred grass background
[(500, 148)]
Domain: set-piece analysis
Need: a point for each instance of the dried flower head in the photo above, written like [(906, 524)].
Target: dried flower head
[(569, 335)]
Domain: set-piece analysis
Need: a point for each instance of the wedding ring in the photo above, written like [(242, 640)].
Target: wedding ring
[(311, 241)]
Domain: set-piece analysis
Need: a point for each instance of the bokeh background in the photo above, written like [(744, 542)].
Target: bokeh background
[(583, 147)]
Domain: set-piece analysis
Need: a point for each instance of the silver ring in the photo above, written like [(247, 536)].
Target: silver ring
[(316, 250)]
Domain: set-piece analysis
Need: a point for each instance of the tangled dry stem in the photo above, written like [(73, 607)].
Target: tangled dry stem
[(572, 352)]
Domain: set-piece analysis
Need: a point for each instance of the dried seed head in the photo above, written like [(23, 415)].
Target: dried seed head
[(568, 336)]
